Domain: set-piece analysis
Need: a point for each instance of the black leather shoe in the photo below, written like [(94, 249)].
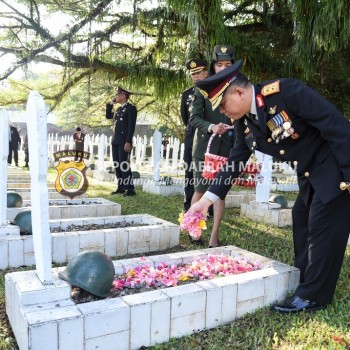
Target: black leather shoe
[(118, 191), (130, 193), (196, 241), (211, 246), (296, 304)]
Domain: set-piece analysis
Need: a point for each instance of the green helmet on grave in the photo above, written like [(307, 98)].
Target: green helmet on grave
[(14, 200), (24, 220), (279, 199), (92, 271)]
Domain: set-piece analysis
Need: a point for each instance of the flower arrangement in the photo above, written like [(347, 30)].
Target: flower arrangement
[(170, 276), (193, 223)]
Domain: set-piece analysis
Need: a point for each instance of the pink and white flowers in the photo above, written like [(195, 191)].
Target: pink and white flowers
[(171, 275), (193, 223)]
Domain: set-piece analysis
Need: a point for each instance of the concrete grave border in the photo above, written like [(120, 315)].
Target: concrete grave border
[(44, 316), (61, 208), (18, 250)]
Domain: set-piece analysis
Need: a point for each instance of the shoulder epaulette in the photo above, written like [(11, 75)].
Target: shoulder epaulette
[(271, 89)]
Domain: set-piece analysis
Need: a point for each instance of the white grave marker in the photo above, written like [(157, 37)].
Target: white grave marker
[(37, 138), (264, 183), (4, 151), (157, 154)]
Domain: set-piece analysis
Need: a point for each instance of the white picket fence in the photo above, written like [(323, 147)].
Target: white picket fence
[(99, 147)]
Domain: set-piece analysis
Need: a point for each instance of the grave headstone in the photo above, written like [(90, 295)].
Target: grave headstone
[(4, 151), (157, 154), (37, 138), (101, 153), (265, 177)]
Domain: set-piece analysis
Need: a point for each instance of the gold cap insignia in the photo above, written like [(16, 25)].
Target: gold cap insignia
[(223, 49), (193, 64)]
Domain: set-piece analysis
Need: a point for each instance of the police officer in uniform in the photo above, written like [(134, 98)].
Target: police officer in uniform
[(14, 142), (79, 138), (290, 121), (124, 121), (198, 71)]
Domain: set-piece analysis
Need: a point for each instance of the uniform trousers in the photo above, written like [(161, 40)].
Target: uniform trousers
[(121, 160), (189, 187), (320, 236), (13, 150)]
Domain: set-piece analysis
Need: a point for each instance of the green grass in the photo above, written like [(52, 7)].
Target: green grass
[(265, 330)]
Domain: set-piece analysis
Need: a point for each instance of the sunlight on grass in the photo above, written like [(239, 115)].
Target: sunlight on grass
[(263, 330)]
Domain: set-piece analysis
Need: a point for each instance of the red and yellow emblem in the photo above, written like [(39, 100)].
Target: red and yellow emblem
[(71, 178)]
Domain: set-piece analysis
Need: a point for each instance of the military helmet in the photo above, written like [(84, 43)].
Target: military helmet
[(14, 200), (92, 271), (24, 220), (279, 199)]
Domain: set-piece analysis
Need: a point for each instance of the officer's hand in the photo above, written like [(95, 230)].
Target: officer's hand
[(127, 147), (218, 129), (201, 206)]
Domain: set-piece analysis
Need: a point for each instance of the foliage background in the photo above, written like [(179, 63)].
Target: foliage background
[(86, 48)]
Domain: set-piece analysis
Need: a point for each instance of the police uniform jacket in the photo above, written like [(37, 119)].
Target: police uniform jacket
[(15, 138), (124, 122), (202, 116), (318, 148), (186, 100), (79, 143)]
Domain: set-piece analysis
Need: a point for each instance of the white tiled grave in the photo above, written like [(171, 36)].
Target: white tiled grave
[(51, 194), (234, 199), (26, 185), (45, 317), (160, 188), (147, 234), (74, 208), (269, 213)]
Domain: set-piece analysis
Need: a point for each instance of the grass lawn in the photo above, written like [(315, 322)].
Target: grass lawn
[(264, 329)]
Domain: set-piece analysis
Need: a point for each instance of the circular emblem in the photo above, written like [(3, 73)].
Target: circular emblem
[(71, 179)]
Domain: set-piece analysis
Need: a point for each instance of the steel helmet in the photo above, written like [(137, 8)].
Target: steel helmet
[(92, 271), (14, 200), (24, 220), (279, 199)]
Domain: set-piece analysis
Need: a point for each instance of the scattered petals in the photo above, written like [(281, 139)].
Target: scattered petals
[(170, 275)]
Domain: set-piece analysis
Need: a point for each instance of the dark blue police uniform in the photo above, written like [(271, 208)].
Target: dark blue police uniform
[(186, 100), (124, 121), (297, 125)]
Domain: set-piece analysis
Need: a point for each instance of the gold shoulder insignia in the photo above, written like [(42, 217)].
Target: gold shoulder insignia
[(204, 93), (270, 89)]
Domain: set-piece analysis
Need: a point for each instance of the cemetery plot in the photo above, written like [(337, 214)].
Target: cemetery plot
[(74, 208), (234, 199), (45, 314), (114, 236), (270, 213)]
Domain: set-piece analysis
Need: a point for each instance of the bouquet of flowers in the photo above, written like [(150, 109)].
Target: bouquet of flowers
[(193, 223)]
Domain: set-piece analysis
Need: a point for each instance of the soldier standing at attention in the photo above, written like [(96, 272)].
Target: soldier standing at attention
[(79, 138), (198, 71), (124, 122), (288, 120)]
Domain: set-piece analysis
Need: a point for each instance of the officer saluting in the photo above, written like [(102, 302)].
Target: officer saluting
[(124, 120), (198, 71), (290, 121)]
